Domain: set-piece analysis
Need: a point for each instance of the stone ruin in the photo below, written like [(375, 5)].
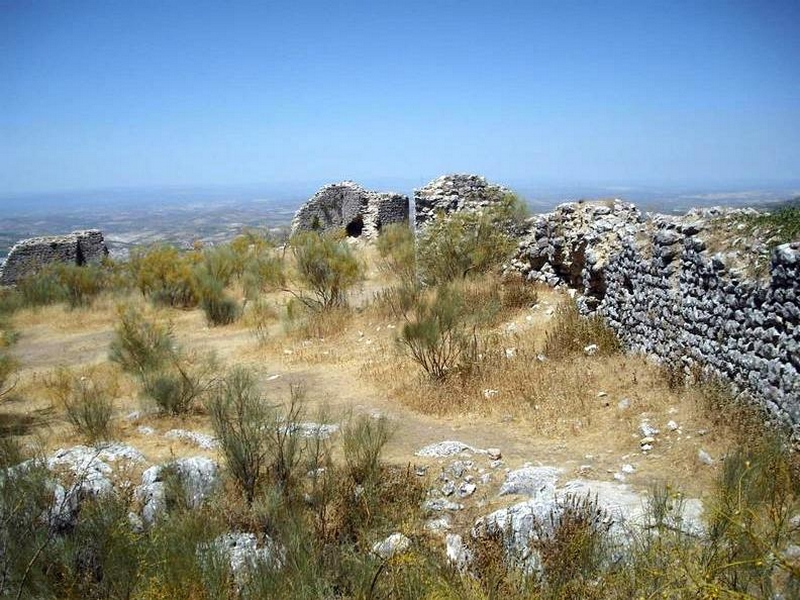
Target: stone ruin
[(453, 193), (690, 290), (349, 206), (28, 256)]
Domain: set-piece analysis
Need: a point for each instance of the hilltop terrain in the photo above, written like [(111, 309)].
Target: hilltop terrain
[(471, 437)]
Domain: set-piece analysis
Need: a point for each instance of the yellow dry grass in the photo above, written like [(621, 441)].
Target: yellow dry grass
[(556, 411)]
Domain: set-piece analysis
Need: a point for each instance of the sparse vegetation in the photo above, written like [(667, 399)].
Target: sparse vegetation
[(435, 334), (397, 248), (242, 419), (87, 400), (777, 227), (321, 502), (571, 332), (140, 346), (326, 267), (457, 245)]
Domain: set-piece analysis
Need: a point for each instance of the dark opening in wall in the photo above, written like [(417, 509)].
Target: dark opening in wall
[(628, 284), (355, 227)]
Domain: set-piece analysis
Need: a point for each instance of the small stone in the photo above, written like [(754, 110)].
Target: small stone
[(489, 393), (624, 404), (395, 544), (466, 490), (647, 430), (495, 464), (440, 504), (672, 426), (448, 489), (628, 469), (602, 394), (494, 453), (704, 457), (438, 524), (647, 440), (590, 350)]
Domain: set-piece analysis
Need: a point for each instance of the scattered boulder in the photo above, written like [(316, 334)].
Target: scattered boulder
[(245, 554), (84, 472), (30, 255), (530, 481), (201, 440), (395, 544), (198, 476), (349, 206), (444, 449)]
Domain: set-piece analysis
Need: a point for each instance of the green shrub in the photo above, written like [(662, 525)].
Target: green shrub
[(181, 383), (262, 272), (779, 226), (140, 346), (27, 531), (101, 557), (81, 283), (435, 334), (397, 247), (89, 408), (363, 440), (460, 244), (219, 308), (326, 267), (242, 420), (574, 547), (42, 288), (165, 275)]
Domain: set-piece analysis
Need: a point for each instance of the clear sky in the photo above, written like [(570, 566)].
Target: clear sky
[(136, 93)]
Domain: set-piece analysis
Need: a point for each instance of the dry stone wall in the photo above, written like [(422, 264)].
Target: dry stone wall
[(452, 193), (660, 284), (349, 206), (28, 256)]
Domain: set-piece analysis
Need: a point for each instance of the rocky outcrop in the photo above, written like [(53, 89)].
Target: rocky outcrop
[(28, 256), (453, 193), (663, 285), (349, 206)]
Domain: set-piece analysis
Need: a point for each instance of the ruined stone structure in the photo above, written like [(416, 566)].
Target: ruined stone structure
[(452, 193), (28, 256), (349, 206), (662, 285)]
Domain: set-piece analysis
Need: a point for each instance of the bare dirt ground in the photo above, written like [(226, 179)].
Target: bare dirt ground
[(586, 422)]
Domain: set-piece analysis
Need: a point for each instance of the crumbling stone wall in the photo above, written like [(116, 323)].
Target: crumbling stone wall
[(452, 193), (667, 294), (28, 256), (349, 206)]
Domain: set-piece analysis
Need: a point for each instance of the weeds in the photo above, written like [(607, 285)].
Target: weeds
[(140, 346), (435, 336), (181, 383), (326, 267), (571, 332), (397, 248), (241, 419), (258, 317), (467, 243), (89, 408)]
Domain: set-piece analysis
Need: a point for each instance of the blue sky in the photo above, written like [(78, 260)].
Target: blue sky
[(99, 94)]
